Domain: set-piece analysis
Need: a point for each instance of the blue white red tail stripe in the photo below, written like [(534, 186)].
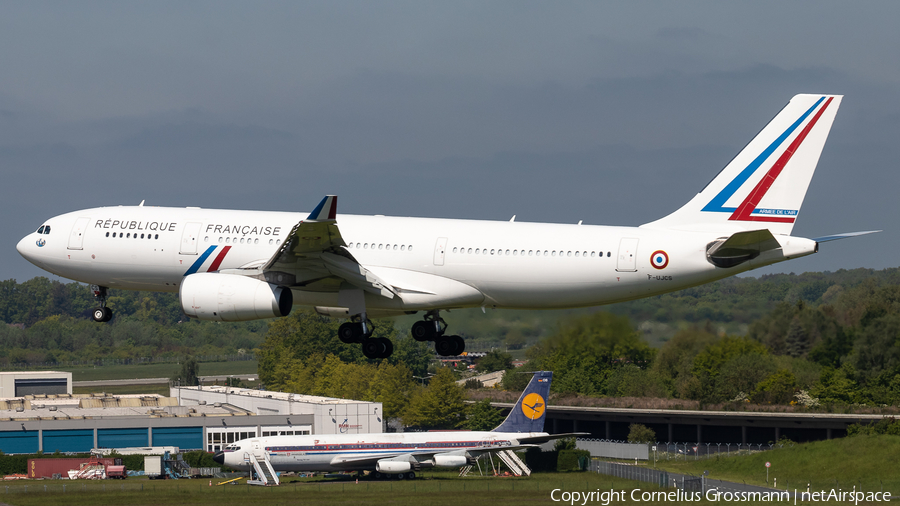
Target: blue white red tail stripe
[(717, 204), (747, 210), (326, 210)]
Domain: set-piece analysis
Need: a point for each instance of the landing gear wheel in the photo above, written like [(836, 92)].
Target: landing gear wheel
[(378, 475), (102, 314), (388, 347), (401, 476), (423, 331), (445, 346), (377, 347), (460, 344), (349, 332), (411, 475)]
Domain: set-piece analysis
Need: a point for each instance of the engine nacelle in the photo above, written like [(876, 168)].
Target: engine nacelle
[(393, 466), (231, 298), (444, 460)]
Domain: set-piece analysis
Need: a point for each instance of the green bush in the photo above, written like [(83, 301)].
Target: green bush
[(541, 461), (573, 460), (887, 426)]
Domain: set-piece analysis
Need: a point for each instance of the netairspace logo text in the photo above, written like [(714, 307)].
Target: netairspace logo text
[(605, 497)]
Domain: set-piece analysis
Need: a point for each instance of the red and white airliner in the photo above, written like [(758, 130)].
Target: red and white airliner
[(230, 265)]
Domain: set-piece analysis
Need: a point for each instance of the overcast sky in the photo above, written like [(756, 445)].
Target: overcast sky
[(611, 113)]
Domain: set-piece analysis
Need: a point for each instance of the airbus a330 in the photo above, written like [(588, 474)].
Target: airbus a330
[(231, 265)]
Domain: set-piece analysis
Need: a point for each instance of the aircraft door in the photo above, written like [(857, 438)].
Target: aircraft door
[(627, 261), (190, 238), (439, 250), (76, 239)]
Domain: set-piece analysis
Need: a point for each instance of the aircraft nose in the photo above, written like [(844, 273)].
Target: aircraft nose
[(23, 246), (219, 458)]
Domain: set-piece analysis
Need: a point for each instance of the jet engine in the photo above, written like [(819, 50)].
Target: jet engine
[(231, 298), (447, 460), (389, 466)]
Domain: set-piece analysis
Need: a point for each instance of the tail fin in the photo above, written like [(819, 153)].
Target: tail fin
[(528, 413), (764, 185)]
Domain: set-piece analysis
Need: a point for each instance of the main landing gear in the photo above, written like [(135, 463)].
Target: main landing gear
[(432, 328), (359, 330), (102, 313)]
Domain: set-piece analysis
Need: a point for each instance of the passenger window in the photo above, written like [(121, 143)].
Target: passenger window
[(156, 236), (609, 253), (107, 234)]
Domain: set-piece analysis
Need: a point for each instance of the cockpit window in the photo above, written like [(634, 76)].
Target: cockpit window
[(41, 230), (46, 229)]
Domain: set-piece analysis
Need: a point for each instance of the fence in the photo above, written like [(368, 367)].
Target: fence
[(614, 450), (659, 477)]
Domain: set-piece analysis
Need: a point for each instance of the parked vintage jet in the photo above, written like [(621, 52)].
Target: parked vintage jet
[(400, 454)]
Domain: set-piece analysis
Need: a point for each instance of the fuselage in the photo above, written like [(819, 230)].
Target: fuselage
[(436, 263)]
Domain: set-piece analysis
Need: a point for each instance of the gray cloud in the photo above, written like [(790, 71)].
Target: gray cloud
[(611, 114)]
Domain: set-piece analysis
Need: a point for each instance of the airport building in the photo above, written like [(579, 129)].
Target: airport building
[(18, 384), (192, 418)]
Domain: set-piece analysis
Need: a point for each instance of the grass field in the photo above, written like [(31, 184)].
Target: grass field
[(431, 489), (114, 372), (868, 462)]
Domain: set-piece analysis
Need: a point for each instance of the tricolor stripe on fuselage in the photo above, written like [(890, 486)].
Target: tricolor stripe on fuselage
[(214, 265)]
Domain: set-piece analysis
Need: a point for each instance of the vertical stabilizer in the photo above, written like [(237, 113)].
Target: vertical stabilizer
[(764, 185), (528, 414)]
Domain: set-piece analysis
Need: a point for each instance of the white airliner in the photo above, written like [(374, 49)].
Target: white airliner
[(399, 454), (230, 265)]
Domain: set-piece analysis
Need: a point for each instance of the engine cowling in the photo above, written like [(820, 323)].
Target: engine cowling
[(231, 298), (392, 466), (444, 460)]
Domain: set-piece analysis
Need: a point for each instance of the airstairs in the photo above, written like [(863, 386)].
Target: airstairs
[(265, 474), (514, 463)]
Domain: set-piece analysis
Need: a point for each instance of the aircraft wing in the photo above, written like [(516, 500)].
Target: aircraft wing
[(536, 440), (313, 256)]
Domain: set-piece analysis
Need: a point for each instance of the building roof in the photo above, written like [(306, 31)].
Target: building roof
[(280, 396), (90, 406)]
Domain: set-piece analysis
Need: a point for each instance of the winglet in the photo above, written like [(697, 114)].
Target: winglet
[(326, 210)]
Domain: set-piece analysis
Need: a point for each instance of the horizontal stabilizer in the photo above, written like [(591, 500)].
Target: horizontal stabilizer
[(835, 237), (741, 247)]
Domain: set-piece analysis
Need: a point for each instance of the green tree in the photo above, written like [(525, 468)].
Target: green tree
[(494, 360), (584, 352), (187, 374), (482, 416), (392, 386), (778, 388), (638, 433), (439, 405)]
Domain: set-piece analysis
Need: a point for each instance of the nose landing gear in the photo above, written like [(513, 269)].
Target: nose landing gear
[(101, 314)]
